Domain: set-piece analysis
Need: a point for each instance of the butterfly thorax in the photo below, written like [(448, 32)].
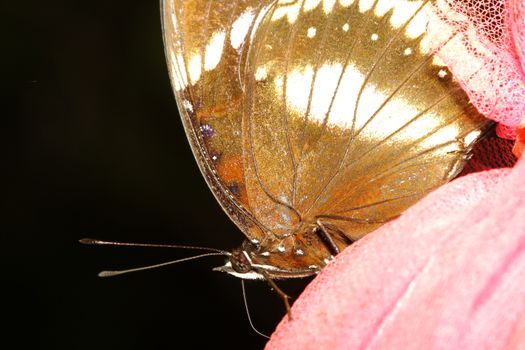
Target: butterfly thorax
[(301, 254)]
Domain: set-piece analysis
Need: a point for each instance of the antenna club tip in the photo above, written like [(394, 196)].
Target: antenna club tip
[(104, 274), (88, 241)]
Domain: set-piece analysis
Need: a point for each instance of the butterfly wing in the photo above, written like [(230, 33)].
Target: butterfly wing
[(348, 117), (205, 43), (298, 110)]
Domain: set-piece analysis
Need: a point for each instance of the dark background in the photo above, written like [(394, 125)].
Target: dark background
[(94, 148)]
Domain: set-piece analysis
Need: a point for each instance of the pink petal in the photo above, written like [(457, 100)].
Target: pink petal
[(517, 26), (478, 41), (447, 274)]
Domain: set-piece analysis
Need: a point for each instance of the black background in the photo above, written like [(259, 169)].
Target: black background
[(94, 147)]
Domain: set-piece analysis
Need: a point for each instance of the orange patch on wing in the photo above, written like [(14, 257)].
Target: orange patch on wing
[(217, 111), (230, 170)]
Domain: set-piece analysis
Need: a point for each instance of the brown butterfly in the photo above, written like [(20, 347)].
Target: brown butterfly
[(313, 121)]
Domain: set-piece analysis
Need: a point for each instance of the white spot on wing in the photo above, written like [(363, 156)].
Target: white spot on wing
[(324, 88), (471, 137), (298, 87), (418, 25), (285, 9), (240, 28), (299, 252), (213, 53), (328, 6), (310, 5), (327, 260), (311, 32), (346, 3), (194, 67), (442, 73), (187, 104), (261, 73), (365, 5)]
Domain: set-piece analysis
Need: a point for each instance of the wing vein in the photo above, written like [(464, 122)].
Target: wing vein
[(408, 146), (373, 68), (369, 205), (251, 150), (358, 99), (306, 115), (336, 90), (286, 115), (405, 125)]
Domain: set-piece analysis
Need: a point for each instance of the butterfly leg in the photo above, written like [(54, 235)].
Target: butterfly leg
[(327, 237), (285, 297)]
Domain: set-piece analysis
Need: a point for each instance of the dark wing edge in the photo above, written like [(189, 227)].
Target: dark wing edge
[(173, 44)]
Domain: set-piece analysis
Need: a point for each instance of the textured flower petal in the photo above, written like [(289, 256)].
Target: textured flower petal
[(485, 55), (447, 274)]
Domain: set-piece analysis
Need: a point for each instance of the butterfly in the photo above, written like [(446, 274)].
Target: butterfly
[(314, 122)]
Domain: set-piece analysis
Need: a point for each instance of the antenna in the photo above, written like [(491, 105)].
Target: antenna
[(149, 267), (92, 241), (112, 273)]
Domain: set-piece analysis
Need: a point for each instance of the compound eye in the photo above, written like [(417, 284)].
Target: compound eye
[(240, 262)]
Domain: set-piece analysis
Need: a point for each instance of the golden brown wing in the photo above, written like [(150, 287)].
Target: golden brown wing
[(205, 43), (347, 115)]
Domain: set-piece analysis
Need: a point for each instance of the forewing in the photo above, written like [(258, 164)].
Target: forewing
[(206, 43), (348, 116)]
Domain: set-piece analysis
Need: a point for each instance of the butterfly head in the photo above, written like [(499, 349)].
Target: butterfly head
[(241, 263)]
